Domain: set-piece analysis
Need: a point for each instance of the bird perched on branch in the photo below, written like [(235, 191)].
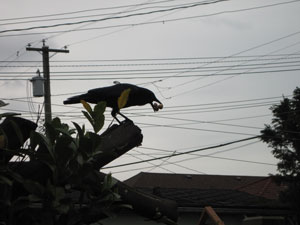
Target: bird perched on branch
[(111, 95)]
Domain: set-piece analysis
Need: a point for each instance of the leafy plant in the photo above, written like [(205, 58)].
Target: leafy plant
[(96, 116), (61, 185)]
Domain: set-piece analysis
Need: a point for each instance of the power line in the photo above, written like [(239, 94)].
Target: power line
[(164, 162), (258, 65), (155, 22), (84, 11), (149, 162), (209, 109), (7, 78), (170, 107), (190, 107), (93, 15), (199, 122), (242, 73), (236, 58), (183, 153), (67, 114), (197, 156), (182, 109), (205, 130), (111, 18)]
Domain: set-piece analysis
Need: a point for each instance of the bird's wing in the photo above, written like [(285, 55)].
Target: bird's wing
[(109, 94), (114, 90)]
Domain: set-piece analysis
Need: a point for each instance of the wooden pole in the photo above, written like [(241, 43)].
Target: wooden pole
[(46, 71)]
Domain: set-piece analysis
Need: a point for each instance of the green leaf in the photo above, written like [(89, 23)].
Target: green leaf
[(108, 182), (96, 117), (86, 106), (16, 176), (80, 159), (100, 108), (80, 131), (122, 100), (5, 180), (51, 131), (87, 115), (56, 122), (99, 123)]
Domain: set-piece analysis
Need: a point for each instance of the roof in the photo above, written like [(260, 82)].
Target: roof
[(194, 190)]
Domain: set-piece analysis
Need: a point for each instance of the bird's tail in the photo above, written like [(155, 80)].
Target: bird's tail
[(75, 99)]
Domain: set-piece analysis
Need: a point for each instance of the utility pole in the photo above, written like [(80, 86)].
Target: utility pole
[(46, 71)]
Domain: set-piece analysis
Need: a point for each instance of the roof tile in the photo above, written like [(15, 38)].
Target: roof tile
[(193, 190)]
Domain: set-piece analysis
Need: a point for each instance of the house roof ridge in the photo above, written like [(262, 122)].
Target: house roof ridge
[(167, 179), (194, 174)]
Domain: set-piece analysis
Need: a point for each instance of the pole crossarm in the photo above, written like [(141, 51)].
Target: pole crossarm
[(48, 49)]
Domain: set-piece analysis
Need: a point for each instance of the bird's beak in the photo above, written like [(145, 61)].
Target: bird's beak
[(158, 101)]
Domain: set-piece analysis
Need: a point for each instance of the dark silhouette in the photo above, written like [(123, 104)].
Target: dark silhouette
[(283, 136), (16, 131), (111, 94)]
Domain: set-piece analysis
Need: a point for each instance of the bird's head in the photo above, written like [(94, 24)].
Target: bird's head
[(143, 96)]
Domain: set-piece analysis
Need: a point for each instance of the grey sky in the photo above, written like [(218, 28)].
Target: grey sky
[(243, 50)]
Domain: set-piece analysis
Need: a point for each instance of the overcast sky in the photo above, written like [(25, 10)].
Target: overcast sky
[(217, 66)]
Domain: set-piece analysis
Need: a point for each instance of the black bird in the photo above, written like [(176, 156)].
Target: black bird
[(110, 94)]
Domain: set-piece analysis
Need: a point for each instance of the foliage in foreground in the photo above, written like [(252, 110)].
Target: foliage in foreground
[(58, 184)]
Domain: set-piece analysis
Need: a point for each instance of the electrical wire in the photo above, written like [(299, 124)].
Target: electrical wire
[(93, 15), (237, 74), (157, 22), (149, 162), (258, 65), (84, 11), (184, 109), (8, 78), (198, 156), (184, 153), (165, 162), (136, 61), (111, 18)]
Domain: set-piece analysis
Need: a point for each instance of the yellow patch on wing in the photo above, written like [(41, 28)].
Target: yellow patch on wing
[(122, 100)]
